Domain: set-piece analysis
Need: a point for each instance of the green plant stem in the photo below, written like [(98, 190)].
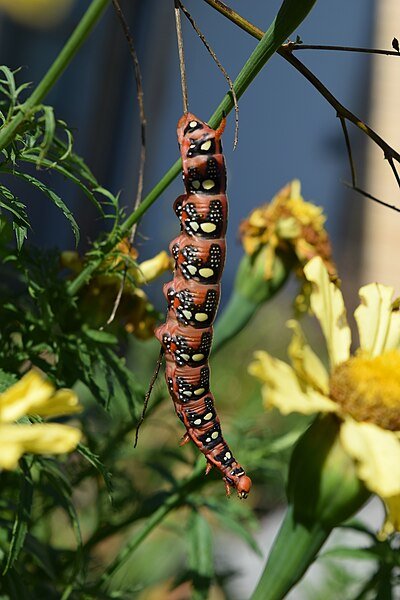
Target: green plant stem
[(175, 500), (294, 549), (68, 52), (290, 15)]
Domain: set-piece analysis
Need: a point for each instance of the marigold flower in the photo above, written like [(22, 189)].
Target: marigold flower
[(33, 395), (290, 227), (362, 390)]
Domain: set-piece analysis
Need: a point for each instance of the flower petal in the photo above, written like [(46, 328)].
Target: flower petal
[(392, 521), (378, 325), (17, 400), (35, 395), (328, 306), (377, 453), (152, 268), (282, 388), (46, 438), (305, 362)]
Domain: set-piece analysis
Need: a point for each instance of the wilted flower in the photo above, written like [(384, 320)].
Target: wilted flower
[(362, 391), (97, 298), (291, 228), (33, 395)]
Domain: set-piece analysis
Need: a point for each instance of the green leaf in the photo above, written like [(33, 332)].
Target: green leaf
[(49, 131), (100, 336), (22, 518), (200, 560), (6, 380), (52, 196), (94, 460), (20, 222)]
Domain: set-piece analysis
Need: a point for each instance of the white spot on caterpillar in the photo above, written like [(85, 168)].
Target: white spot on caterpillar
[(201, 317), (185, 357), (206, 272), (187, 393), (227, 456), (192, 146), (208, 184), (197, 422), (206, 145), (187, 314), (208, 439), (194, 225), (196, 184), (192, 269), (214, 435), (193, 123), (208, 227), (197, 357), (208, 416), (199, 391)]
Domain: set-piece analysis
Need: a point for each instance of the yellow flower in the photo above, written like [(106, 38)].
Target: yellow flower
[(362, 391), (292, 228), (33, 395), (36, 13)]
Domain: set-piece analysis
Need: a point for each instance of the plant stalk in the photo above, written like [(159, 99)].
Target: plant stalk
[(79, 35), (294, 549), (290, 15)]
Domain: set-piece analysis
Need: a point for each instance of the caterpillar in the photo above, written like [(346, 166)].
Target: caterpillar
[(193, 296)]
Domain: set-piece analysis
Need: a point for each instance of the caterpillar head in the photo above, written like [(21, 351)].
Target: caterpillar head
[(243, 486)]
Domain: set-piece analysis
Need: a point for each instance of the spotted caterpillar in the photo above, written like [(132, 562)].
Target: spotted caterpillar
[(193, 296)]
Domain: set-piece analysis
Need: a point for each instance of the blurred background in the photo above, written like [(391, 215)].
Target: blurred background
[(286, 131)]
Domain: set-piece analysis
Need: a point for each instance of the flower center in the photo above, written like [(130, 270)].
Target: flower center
[(369, 388)]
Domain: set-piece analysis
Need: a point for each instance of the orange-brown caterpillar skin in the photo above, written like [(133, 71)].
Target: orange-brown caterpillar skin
[(194, 292)]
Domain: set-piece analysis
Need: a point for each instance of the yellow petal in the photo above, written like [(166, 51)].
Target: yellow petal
[(308, 367), (46, 438), (328, 306), (17, 400), (35, 395), (377, 454), (392, 521), (282, 389), (378, 325), (153, 268)]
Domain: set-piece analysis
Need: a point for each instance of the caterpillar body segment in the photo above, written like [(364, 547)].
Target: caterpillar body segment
[(193, 295)]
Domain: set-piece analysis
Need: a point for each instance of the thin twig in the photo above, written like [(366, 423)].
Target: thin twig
[(395, 172), (220, 66), (371, 197), (181, 53), (297, 46), (349, 151), (342, 112), (142, 159), (148, 394)]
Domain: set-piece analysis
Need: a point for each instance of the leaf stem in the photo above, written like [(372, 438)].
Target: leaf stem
[(79, 35)]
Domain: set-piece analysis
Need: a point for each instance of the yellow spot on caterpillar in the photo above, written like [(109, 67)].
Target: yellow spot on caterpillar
[(206, 145), (208, 416), (214, 435), (193, 123), (199, 391), (196, 184), (201, 317), (194, 225), (197, 357), (208, 184), (185, 356), (208, 227), (197, 422), (187, 393), (192, 269), (206, 272), (187, 314)]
